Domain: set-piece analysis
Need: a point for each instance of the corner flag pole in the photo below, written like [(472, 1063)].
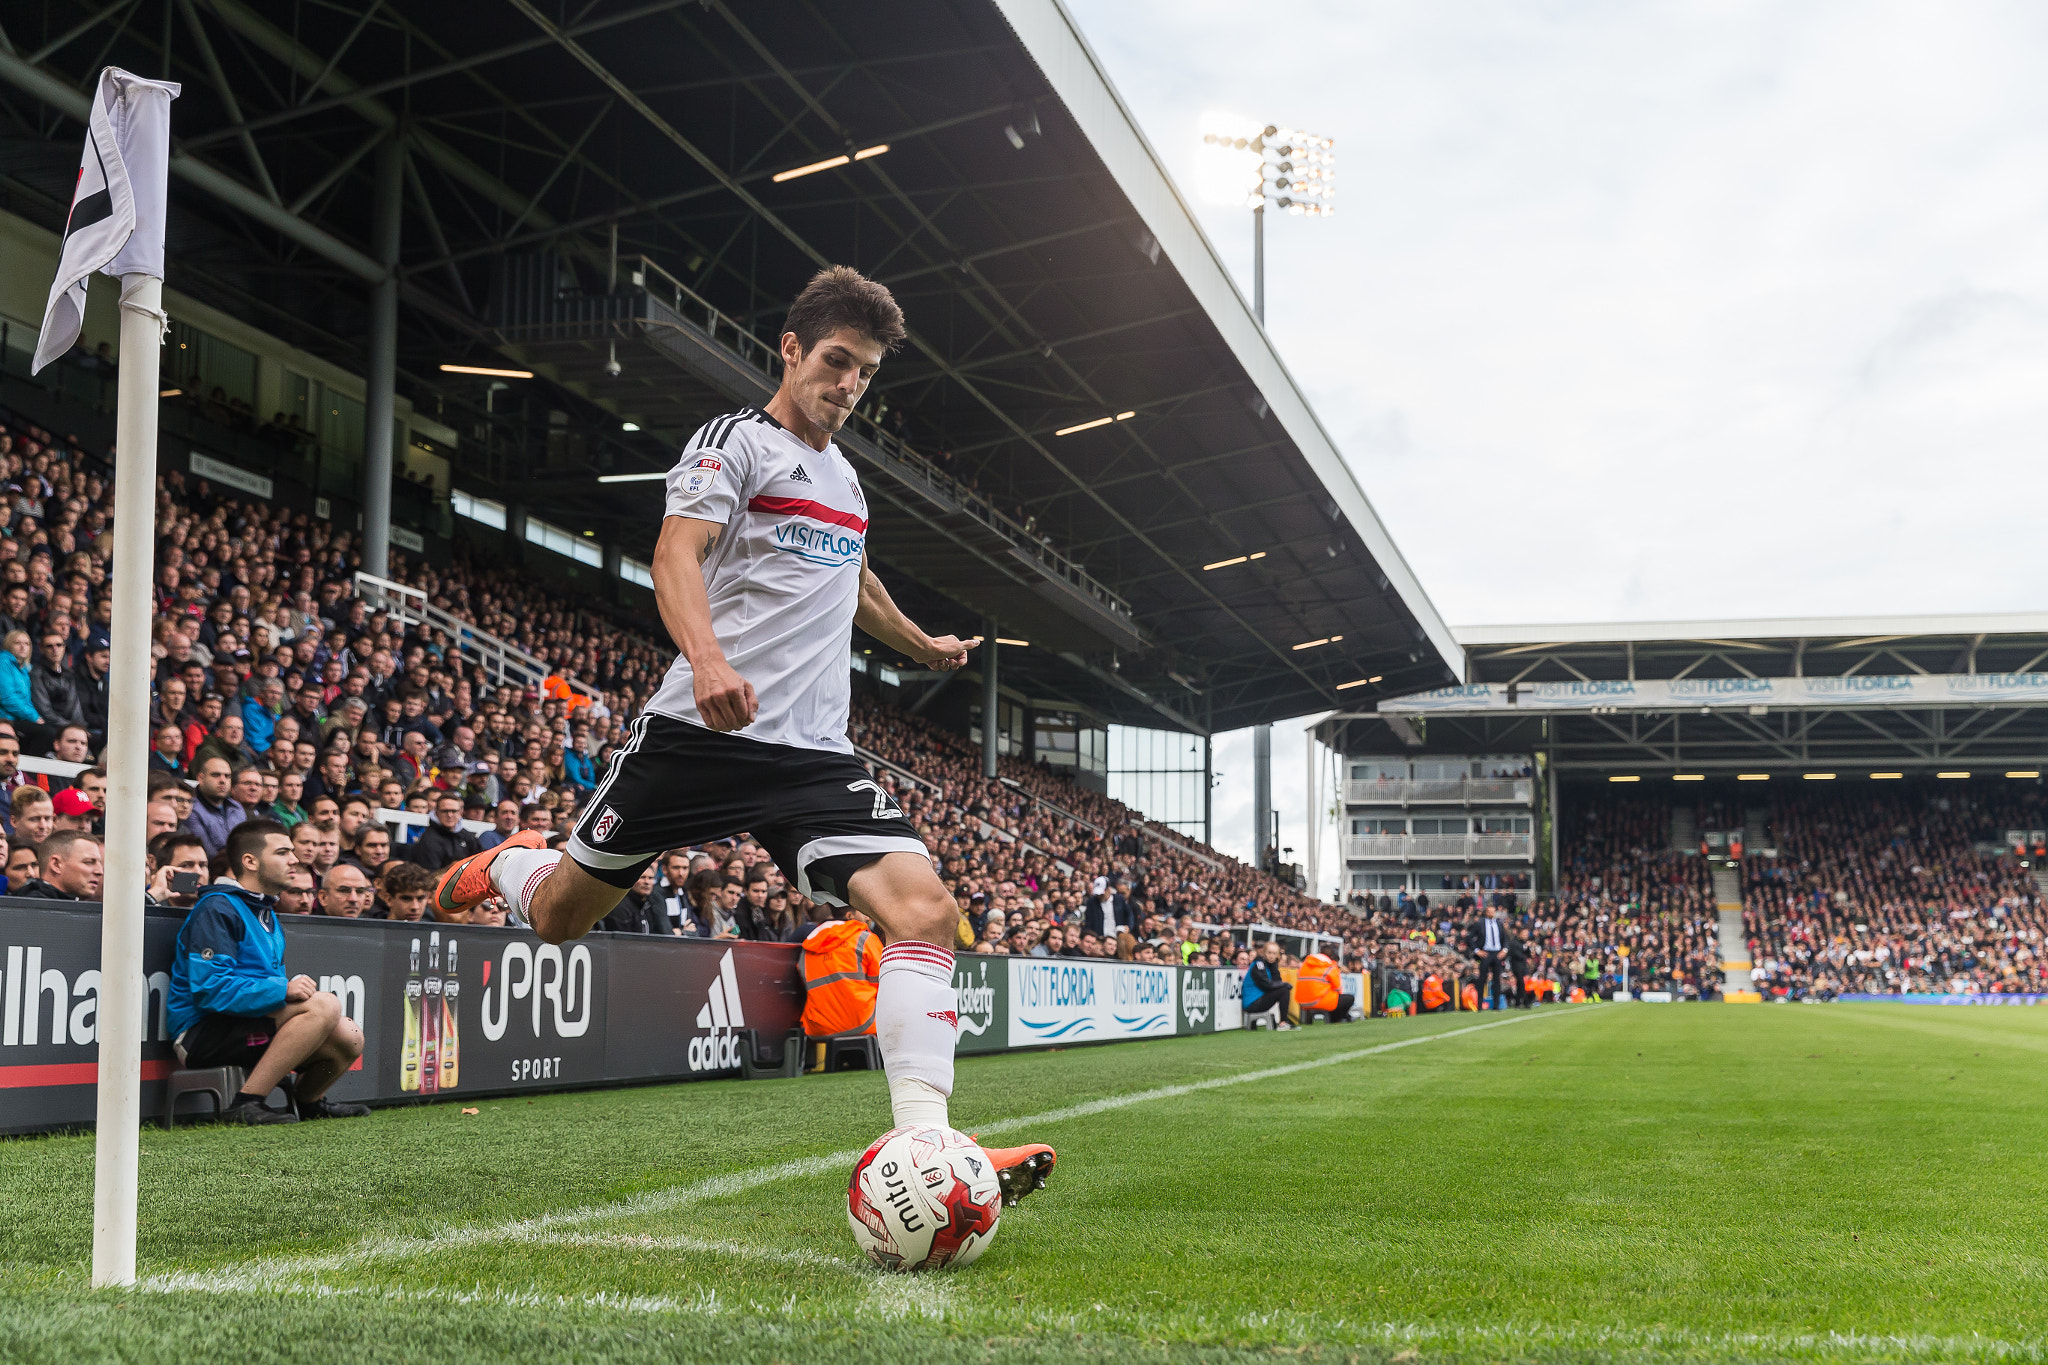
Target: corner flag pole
[(116, 226)]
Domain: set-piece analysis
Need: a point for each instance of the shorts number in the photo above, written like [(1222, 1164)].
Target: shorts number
[(885, 804)]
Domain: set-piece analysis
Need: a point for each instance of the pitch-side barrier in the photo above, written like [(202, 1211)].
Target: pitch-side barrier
[(462, 1011)]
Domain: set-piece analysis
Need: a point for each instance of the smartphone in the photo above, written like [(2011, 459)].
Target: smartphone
[(184, 883)]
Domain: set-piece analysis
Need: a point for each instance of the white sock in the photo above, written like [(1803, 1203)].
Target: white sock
[(518, 872), (916, 1025)]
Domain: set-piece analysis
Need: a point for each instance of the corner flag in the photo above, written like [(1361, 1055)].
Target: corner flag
[(117, 211), (117, 225)]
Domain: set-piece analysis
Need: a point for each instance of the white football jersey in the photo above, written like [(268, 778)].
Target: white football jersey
[(783, 577)]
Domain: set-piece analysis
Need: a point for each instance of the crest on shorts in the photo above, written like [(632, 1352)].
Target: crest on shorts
[(606, 826)]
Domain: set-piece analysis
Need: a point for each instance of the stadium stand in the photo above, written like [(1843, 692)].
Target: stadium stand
[(1917, 880), (247, 593), (1848, 892)]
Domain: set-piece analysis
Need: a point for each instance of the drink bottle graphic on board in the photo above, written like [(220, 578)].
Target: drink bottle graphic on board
[(430, 1019), (451, 1046), (409, 1058)]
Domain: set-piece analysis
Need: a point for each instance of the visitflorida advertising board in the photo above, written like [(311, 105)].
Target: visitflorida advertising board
[(1088, 1000)]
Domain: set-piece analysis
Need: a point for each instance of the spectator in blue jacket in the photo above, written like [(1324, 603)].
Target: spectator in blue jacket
[(260, 713), (1265, 990), (15, 702), (231, 1003)]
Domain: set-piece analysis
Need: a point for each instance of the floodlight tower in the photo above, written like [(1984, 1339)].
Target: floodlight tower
[(1296, 172)]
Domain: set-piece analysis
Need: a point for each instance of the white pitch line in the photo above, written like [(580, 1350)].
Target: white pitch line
[(269, 1271)]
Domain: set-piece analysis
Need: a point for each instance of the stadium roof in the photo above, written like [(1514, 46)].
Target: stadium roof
[(1790, 695), (1052, 276)]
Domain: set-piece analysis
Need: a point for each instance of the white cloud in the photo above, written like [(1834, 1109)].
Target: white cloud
[(1660, 310)]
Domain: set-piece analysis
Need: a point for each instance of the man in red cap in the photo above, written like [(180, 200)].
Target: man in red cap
[(74, 809)]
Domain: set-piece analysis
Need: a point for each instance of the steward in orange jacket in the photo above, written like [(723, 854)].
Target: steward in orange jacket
[(1320, 986), (842, 964), (1434, 996)]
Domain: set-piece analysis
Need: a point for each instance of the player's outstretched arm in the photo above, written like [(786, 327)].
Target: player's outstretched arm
[(880, 617), (725, 700)]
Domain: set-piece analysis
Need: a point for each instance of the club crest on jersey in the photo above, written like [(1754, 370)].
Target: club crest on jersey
[(606, 826)]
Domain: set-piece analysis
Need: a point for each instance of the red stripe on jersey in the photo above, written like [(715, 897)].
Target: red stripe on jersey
[(804, 507)]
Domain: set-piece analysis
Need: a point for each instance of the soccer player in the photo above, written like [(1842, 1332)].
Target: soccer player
[(760, 573)]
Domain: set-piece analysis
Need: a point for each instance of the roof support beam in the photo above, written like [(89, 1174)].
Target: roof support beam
[(60, 96)]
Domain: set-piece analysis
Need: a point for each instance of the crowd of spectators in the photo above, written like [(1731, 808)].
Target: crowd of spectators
[(279, 693), (1910, 889)]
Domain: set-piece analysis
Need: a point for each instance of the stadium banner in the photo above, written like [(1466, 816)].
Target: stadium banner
[(981, 986), (449, 1009), (1730, 694), (1077, 999), (1988, 998), (445, 1009), (1229, 999)]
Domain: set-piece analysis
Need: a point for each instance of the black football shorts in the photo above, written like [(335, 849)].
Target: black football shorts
[(819, 814)]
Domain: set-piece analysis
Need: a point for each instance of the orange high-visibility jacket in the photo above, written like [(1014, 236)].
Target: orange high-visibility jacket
[(1433, 993), (842, 963), (1319, 983)]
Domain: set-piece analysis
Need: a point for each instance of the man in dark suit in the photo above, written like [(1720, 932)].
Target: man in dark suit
[(1487, 941)]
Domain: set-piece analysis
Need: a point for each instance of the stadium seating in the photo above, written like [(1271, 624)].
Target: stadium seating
[(1854, 888)]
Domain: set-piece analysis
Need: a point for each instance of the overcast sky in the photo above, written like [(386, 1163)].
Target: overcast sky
[(1647, 311)]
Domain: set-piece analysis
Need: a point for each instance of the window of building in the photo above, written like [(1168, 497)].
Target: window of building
[(1380, 825), (1158, 772), (582, 549), (477, 509), (633, 571), (1445, 824)]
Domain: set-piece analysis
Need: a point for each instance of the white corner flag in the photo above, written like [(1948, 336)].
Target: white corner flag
[(117, 225), (117, 210)]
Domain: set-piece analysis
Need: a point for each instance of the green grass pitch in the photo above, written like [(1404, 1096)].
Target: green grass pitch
[(1618, 1182)]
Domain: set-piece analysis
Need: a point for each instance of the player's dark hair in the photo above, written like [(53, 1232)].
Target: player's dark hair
[(841, 299), (246, 839)]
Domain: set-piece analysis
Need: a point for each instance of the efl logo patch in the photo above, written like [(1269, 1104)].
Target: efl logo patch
[(607, 825), (701, 474)]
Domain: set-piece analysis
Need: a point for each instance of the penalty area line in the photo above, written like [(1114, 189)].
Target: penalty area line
[(270, 1272)]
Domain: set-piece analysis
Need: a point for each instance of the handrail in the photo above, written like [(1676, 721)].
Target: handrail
[(1023, 539), (987, 829), (500, 659)]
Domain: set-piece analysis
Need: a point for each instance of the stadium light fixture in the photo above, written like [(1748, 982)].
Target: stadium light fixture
[(629, 426), (1241, 559), (2026, 772), (487, 371), (1886, 777), (1688, 777), (1014, 644), (829, 163), (1311, 644), (1360, 682), (1818, 777), (1098, 422), (633, 478), (1292, 170), (169, 393), (1752, 777), (1624, 777), (1952, 776)]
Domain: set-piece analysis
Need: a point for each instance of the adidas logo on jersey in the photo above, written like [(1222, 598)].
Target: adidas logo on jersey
[(720, 1016), (800, 476)]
